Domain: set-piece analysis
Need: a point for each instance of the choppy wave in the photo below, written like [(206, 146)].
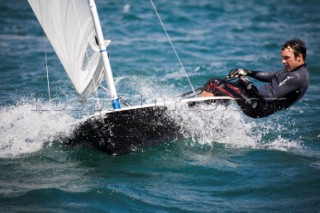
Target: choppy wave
[(26, 130)]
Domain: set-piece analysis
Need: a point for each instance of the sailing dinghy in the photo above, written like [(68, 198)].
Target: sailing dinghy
[(74, 31)]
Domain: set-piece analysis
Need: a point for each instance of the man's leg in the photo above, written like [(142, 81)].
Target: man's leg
[(248, 101), (206, 94), (220, 87)]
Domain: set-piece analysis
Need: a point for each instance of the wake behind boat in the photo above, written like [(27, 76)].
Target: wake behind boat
[(73, 29)]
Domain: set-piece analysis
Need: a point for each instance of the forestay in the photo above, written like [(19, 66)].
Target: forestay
[(69, 27)]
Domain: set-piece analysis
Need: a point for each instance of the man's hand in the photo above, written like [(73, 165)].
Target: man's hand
[(236, 73)]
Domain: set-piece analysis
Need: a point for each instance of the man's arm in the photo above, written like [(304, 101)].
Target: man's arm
[(261, 76)]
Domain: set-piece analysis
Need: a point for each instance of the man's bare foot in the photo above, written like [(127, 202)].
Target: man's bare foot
[(206, 94)]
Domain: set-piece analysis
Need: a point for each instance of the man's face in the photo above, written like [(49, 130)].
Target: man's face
[(289, 61)]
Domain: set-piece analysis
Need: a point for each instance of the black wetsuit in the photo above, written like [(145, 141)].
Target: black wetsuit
[(282, 90)]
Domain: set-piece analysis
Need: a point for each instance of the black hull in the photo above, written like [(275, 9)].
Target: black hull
[(122, 132)]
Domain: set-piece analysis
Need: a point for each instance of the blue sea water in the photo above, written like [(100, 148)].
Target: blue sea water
[(229, 163)]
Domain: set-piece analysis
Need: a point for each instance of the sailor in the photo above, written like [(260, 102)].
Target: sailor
[(282, 89)]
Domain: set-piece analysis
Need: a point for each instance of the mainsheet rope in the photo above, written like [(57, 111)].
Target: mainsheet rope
[(174, 49)]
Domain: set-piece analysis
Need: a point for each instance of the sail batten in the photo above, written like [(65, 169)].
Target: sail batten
[(69, 27)]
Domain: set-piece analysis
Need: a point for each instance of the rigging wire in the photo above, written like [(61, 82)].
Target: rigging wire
[(48, 79), (47, 69), (174, 49)]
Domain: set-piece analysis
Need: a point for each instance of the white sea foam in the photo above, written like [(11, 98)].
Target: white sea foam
[(206, 124), (227, 125), (25, 130), (126, 8)]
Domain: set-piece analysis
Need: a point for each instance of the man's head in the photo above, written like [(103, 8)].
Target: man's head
[(293, 54)]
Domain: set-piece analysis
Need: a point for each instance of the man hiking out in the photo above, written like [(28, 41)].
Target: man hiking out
[(282, 89)]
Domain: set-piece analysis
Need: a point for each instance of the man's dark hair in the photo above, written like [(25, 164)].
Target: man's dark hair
[(298, 47)]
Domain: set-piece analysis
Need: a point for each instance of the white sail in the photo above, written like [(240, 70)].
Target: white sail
[(69, 27)]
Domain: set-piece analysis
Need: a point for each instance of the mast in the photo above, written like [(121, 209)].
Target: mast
[(104, 55)]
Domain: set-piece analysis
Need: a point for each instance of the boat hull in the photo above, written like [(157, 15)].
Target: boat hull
[(122, 132), (129, 129)]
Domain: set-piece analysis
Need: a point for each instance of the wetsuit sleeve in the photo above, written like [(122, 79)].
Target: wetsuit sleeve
[(262, 76)]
